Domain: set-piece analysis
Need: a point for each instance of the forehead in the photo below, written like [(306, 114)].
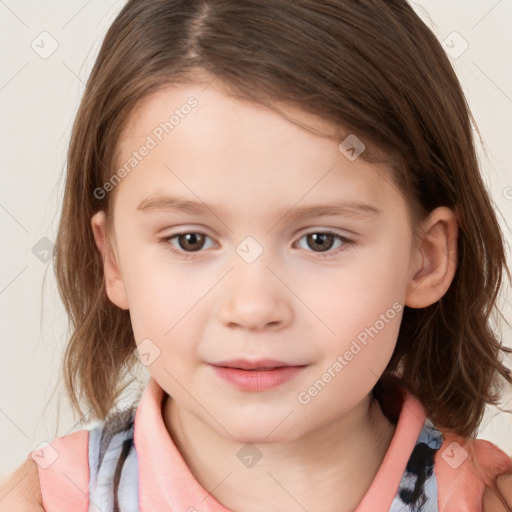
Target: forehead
[(206, 143), (206, 110)]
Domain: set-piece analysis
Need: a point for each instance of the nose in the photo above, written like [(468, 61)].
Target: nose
[(255, 298)]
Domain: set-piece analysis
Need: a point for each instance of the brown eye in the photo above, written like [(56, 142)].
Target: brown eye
[(184, 245), (320, 241), (191, 241)]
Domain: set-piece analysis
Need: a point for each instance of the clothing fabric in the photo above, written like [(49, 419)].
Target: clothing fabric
[(422, 471)]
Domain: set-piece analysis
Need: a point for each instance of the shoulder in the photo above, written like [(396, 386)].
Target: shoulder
[(60, 477), (21, 490), (475, 471), (63, 471), (491, 501)]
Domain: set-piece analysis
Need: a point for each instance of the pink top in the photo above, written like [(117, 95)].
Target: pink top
[(166, 483)]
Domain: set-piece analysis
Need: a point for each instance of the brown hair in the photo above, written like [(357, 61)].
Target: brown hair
[(368, 67)]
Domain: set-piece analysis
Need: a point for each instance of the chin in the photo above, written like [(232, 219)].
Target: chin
[(258, 430)]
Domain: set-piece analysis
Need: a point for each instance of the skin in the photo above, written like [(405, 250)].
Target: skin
[(292, 303)]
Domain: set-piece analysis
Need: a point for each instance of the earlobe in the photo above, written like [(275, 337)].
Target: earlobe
[(114, 284), (435, 260)]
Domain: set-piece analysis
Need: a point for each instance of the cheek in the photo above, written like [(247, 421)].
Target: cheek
[(359, 305), (365, 283), (381, 276), (164, 300)]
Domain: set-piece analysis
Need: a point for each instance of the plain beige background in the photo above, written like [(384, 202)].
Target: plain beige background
[(48, 49)]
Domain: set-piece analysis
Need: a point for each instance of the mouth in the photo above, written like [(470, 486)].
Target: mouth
[(256, 375), (259, 365)]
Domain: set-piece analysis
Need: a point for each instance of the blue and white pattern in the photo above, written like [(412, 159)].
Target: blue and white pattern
[(417, 491), (106, 442)]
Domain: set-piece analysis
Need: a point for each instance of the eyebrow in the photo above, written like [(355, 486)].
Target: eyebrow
[(155, 203)]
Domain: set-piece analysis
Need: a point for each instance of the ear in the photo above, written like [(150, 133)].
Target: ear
[(113, 279), (435, 260)]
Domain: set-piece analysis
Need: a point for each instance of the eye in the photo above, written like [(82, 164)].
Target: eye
[(324, 240), (188, 242)]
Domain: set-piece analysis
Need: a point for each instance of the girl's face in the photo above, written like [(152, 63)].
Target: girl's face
[(258, 276)]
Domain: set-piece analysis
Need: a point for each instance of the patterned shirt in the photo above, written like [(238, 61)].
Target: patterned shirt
[(422, 470)]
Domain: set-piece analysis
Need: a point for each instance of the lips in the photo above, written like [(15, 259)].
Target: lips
[(260, 364), (256, 376)]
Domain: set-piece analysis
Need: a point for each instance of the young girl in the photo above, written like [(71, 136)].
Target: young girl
[(276, 208)]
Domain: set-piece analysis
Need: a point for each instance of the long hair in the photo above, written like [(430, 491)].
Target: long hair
[(370, 68)]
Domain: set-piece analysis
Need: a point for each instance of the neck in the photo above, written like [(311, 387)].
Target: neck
[(327, 470)]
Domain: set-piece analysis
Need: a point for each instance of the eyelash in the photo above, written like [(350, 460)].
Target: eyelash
[(346, 243)]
